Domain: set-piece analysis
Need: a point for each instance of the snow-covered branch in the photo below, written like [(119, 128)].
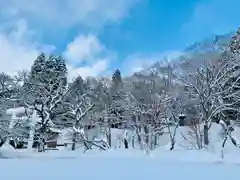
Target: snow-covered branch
[(228, 129)]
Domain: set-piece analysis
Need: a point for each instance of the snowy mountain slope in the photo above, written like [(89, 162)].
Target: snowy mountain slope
[(212, 43), (210, 46)]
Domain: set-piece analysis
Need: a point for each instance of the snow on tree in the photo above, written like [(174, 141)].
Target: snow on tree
[(33, 119), (45, 90), (175, 114), (116, 103), (79, 105), (16, 128), (234, 46), (193, 131), (8, 86), (9, 96), (207, 87), (228, 128), (231, 85), (99, 93), (118, 97), (148, 108)]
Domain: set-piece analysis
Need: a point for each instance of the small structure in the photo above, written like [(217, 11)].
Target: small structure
[(182, 118), (56, 137), (53, 138)]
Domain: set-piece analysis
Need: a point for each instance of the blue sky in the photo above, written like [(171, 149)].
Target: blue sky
[(97, 36)]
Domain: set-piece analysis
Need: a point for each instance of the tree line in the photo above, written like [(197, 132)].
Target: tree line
[(202, 87)]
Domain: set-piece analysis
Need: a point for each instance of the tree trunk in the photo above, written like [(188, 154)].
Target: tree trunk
[(32, 130), (155, 139), (126, 144), (74, 141), (109, 136), (2, 141), (223, 145), (138, 133), (31, 139), (133, 142), (206, 138), (172, 144), (151, 142), (139, 136), (146, 131), (41, 144)]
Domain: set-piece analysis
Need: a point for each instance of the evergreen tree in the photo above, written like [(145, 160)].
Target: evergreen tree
[(45, 89), (119, 100), (37, 67), (117, 80)]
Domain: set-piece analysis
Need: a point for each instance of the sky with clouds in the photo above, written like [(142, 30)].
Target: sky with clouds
[(97, 36)]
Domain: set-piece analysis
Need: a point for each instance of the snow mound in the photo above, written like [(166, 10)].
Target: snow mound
[(186, 139), (7, 151)]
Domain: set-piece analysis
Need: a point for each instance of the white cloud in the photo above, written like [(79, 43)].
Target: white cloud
[(17, 50), (67, 12), (19, 46), (90, 70), (88, 52), (83, 48), (13, 56), (138, 61)]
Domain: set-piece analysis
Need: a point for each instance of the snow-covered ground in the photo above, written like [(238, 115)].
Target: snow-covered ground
[(127, 164), (109, 168), (124, 164)]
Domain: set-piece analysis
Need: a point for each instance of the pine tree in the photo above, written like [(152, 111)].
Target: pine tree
[(37, 67), (117, 79), (118, 106)]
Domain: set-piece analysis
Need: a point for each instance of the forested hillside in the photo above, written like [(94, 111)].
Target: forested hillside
[(195, 90)]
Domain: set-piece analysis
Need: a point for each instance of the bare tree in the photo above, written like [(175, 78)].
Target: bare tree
[(228, 128), (83, 102), (205, 86), (174, 110), (79, 107), (148, 106), (9, 97), (88, 144), (194, 135)]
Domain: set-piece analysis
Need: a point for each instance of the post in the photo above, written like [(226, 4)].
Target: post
[(132, 141)]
